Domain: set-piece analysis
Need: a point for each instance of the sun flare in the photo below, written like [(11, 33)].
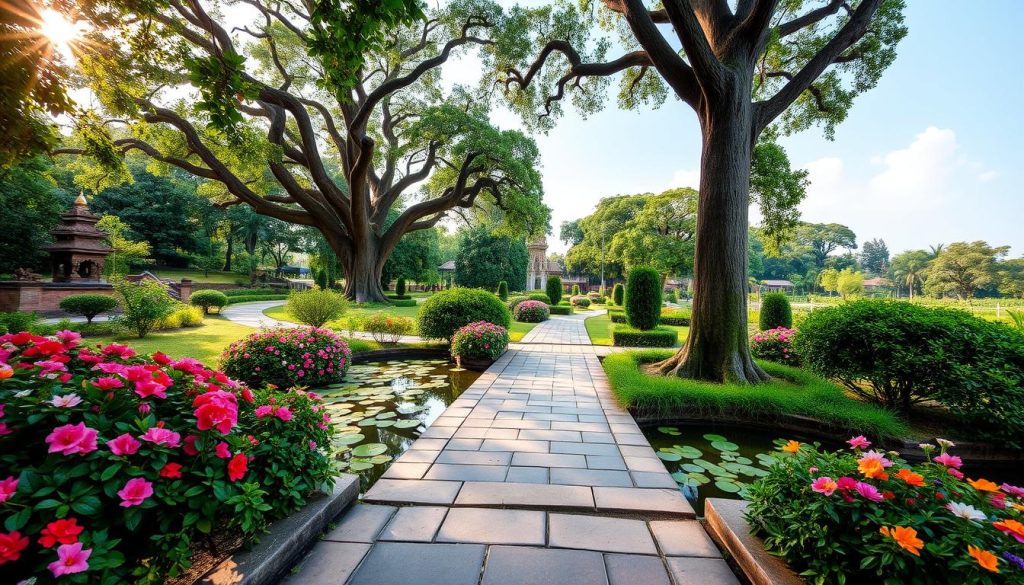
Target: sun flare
[(60, 31)]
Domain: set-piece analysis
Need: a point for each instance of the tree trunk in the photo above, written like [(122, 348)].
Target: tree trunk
[(363, 265), (229, 252), (717, 348)]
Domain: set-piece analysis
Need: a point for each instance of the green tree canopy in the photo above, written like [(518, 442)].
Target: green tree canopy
[(30, 206), (824, 238), (660, 235), (908, 268), (874, 257), (485, 259), (963, 268)]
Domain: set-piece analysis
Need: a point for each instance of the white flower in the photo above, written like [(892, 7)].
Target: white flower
[(66, 401), (23, 393), (945, 443), (965, 511)]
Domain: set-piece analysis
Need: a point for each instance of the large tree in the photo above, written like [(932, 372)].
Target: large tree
[(741, 66), (30, 206), (824, 238), (660, 235), (874, 257), (282, 115), (909, 268), (963, 268), (485, 259)]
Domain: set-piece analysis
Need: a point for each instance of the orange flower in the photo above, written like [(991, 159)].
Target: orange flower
[(1012, 527), (6, 371), (986, 560), (983, 485), (910, 477), (1018, 507), (904, 536), (872, 468), (792, 447)]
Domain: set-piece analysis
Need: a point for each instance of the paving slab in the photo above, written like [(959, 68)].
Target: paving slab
[(413, 491), (655, 502), (329, 563), (490, 526), (361, 523), (402, 563), (513, 565), (697, 571), (620, 535), (683, 538), (525, 495), (636, 570), (414, 524)]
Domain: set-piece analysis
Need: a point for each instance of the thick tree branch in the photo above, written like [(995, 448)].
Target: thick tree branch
[(676, 72), (812, 17), (696, 44), (657, 16)]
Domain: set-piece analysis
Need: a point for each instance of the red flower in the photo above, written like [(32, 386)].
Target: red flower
[(217, 409), (11, 545), (247, 395), (190, 446), (161, 358), (237, 467), (171, 470), (64, 531)]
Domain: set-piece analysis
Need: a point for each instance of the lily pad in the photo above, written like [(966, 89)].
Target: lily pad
[(349, 438), (669, 456), (692, 468), (713, 437), (360, 465), (409, 423), (688, 452), (725, 446), (700, 478), (673, 431), (369, 449), (729, 487)]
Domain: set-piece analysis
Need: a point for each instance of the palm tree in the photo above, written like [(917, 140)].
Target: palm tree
[(910, 266), (935, 251)]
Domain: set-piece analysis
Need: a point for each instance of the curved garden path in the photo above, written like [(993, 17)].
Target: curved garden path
[(251, 314), (535, 475)]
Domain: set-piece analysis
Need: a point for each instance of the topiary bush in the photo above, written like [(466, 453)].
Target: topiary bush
[(387, 328), (503, 290), (542, 297), (626, 336), (400, 287), (481, 340), (775, 312), (554, 290), (288, 356), (580, 301), (317, 306), (575, 290), (775, 345), (101, 446), (446, 311), (899, 354), (618, 294), (560, 309), (643, 298), (208, 299), (87, 306), (532, 312)]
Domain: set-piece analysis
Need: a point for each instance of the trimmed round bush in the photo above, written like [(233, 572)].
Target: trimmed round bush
[(503, 290), (618, 294), (400, 287), (532, 312), (898, 353), (445, 312), (575, 290), (539, 297), (775, 312), (317, 306), (579, 301), (643, 298), (514, 301), (481, 340), (775, 345), (88, 306), (554, 290), (208, 299), (387, 328), (288, 356)]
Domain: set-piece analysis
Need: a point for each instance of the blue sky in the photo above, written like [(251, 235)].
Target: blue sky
[(933, 154)]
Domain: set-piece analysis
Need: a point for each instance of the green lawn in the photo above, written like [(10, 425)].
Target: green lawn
[(599, 328), (199, 277), (357, 313), (205, 343), (792, 392)]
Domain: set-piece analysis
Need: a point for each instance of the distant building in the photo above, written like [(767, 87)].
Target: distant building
[(540, 268), (877, 284), (783, 286)]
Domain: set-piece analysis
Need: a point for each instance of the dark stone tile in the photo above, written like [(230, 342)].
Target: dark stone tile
[(697, 571), (636, 570), (361, 523), (513, 565), (403, 563), (329, 563)]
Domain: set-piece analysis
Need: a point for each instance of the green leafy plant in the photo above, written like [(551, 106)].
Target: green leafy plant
[(87, 306), (532, 312), (445, 312), (580, 301), (775, 312), (618, 294), (208, 299), (143, 304), (288, 356), (626, 336), (400, 287), (387, 328), (181, 315), (480, 340), (861, 516), (503, 290), (17, 321), (101, 445), (554, 290), (643, 298), (1018, 319), (317, 306), (575, 290)]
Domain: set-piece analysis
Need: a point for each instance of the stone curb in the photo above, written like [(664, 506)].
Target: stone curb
[(726, 524), (267, 562)]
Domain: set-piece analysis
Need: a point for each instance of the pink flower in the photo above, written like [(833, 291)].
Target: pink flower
[(162, 436), (283, 413), (72, 439), (237, 467), (7, 488), (150, 387), (136, 491), (265, 410), (1013, 490), (223, 450), (869, 492), (108, 383), (955, 472), (876, 456), (70, 559), (66, 400), (123, 445), (824, 485), (312, 445), (216, 409), (859, 442), (144, 408), (948, 460)]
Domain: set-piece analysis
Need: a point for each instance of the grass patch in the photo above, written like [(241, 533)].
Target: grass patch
[(519, 330), (354, 315), (199, 277), (599, 328), (795, 392), (205, 343)]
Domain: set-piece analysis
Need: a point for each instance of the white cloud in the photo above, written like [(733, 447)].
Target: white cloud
[(987, 176), (918, 174)]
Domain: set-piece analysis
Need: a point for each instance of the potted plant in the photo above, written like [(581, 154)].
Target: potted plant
[(476, 346)]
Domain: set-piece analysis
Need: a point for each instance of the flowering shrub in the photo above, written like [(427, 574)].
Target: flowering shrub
[(580, 301), (387, 328), (112, 465), (775, 345), (480, 340), (288, 356), (532, 312), (864, 516)]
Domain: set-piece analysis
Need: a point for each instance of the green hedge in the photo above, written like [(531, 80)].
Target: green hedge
[(249, 292), (447, 311), (625, 336), (560, 309), (554, 290), (397, 297), (668, 317), (232, 300), (775, 312), (618, 294), (643, 297), (406, 302)]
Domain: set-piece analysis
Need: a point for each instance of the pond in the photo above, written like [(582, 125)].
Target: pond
[(382, 407)]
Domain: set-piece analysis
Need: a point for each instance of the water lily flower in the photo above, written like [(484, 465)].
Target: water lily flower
[(965, 511), (986, 560), (904, 536), (70, 559), (824, 485)]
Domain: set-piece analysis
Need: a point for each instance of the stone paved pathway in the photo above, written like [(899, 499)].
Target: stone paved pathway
[(534, 475)]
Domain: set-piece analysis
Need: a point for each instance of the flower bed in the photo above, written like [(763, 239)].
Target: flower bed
[(775, 345), (531, 312), (288, 356), (387, 328), (868, 517), (100, 446), (480, 340)]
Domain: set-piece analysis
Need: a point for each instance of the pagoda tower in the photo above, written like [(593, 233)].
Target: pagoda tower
[(78, 251)]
